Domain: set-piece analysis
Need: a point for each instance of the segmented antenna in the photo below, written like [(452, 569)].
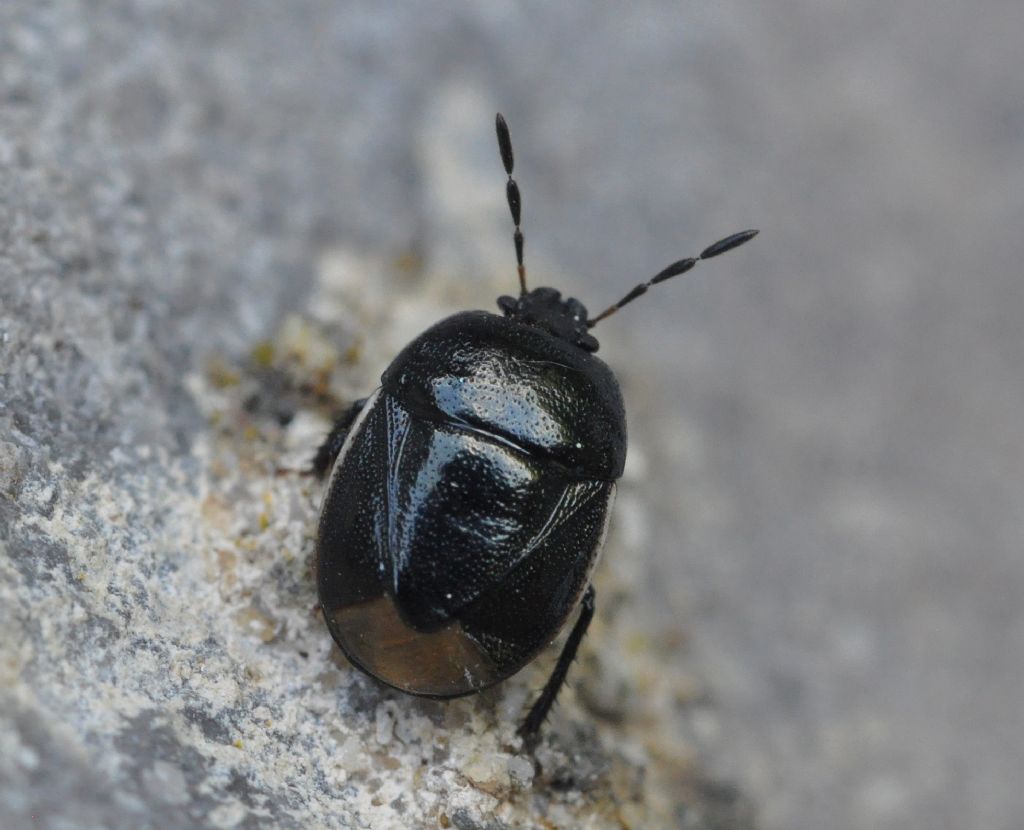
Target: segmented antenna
[(674, 270), (515, 202)]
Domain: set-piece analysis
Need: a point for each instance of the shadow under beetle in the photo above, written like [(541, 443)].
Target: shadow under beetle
[(469, 495)]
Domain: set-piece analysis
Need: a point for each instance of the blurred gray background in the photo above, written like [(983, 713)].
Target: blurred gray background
[(831, 417)]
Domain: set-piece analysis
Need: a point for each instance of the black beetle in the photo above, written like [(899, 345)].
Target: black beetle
[(470, 494)]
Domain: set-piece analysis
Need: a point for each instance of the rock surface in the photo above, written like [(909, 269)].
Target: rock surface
[(176, 327), (218, 221), (165, 664)]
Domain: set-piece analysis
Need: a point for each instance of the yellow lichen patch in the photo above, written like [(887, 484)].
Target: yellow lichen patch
[(220, 375), (255, 622), (409, 262), (321, 384), (672, 640), (637, 643), (352, 354), (215, 511), (675, 761), (633, 816), (221, 568), (301, 341), (262, 354), (489, 773)]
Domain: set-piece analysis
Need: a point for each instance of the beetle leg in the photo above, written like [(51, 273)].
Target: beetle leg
[(541, 707), (328, 452)]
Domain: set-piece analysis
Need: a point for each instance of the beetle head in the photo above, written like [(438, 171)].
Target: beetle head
[(545, 309)]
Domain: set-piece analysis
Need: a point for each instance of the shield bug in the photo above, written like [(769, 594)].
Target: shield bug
[(469, 495)]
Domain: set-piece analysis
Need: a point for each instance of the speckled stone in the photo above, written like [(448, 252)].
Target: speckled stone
[(176, 328)]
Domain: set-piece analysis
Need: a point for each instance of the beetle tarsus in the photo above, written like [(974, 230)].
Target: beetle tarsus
[(542, 706), (329, 449)]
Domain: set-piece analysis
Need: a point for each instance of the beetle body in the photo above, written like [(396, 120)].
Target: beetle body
[(468, 504), (469, 495)]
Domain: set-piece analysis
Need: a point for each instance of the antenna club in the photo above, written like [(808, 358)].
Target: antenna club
[(504, 143), (727, 244)]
